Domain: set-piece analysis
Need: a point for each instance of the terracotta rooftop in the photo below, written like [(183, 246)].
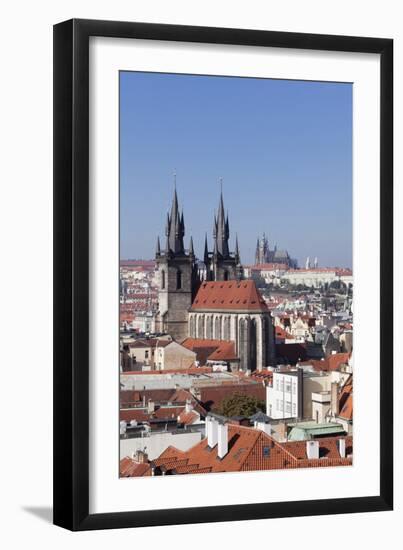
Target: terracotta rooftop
[(282, 334), (331, 363), (249, 449), (130, 468), (229, 295), (211, 350), (346, 400)]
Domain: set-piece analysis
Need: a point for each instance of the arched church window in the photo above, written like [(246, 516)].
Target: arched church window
[(192, 327), (209, 327), (253, 346), (217, 331), (226, 331), (200, 327), (162, 279), (243, 344), (226, 277), (179, 279)]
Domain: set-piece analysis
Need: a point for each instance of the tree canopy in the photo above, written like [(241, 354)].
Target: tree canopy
[(239, 404)]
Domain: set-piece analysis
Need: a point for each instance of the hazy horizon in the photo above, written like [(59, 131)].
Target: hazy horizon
[(283, 149)]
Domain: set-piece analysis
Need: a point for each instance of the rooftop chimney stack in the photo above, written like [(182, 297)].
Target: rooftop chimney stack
[(222, 448), (312, 449), (264, 427), (141, 456), (150, 406), (342, 448), (189, 406), (212, 431)]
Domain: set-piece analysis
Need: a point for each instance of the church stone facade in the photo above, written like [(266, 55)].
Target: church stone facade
[(215, 302)]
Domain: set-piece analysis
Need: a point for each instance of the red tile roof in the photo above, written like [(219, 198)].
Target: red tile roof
[(191, 370), (228, 295), (282, 334), (130, 468), (346, 400), (249, 449), (160, 413), (331, 363), (211, 350), (188, 417)]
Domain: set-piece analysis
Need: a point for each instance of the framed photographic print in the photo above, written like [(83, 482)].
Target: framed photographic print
[(223, 274)]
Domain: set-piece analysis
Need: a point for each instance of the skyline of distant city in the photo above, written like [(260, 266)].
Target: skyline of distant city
[(283, 148)]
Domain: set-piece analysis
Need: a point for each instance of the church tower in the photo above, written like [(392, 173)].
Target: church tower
[(177, 276), (221, 265)]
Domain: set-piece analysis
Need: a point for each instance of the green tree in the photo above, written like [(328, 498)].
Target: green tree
[(239, 404)]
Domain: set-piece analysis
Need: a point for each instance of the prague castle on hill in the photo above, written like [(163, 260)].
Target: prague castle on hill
[(216, 303), (264, 255)]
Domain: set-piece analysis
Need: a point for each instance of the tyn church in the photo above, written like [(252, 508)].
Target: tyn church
[(214, 302)]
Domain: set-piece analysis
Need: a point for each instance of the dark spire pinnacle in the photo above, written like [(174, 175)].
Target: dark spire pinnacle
[(237, 255), (206, 258), (221, 233), (191, 249), (158, 247), (168, 222), (175, 227)]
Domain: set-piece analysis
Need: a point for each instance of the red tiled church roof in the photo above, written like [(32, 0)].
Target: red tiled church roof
[(228, 295)]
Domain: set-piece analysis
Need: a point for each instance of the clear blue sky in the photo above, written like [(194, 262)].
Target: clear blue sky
[(283, 148)]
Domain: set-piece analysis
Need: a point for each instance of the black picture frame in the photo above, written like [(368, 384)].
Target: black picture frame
[(71, 273)]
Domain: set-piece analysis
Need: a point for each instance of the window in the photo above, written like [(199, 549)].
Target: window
[(288, 386), (294, 409), (146, 354), (162, 279), (179, 279), (266, 451), (288, 407)]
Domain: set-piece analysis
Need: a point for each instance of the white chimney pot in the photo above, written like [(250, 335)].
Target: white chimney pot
[(312, 449), (212, 431), (342, 448), (222, 448)]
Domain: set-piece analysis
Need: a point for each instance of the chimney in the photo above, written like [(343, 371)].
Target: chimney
[(341, 443), (266, 428), (211, 431), (141, 456), (222, 448), (189, 406), (334, 398), (312, 449), (150, 406)]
